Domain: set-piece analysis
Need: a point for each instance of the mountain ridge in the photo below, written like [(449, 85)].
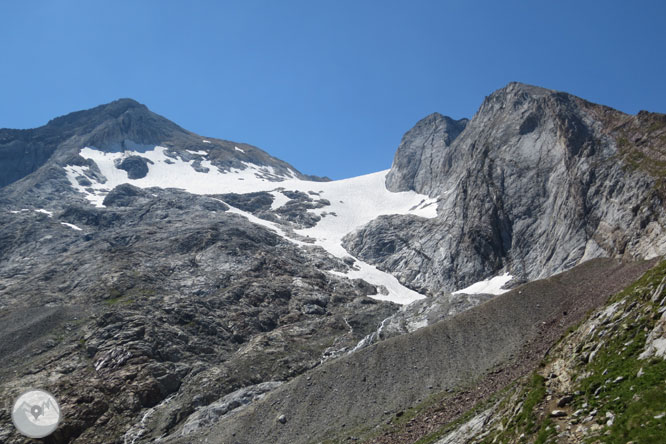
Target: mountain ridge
[(110, 127)]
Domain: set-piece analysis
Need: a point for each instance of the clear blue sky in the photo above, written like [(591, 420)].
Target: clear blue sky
[(329, 86)]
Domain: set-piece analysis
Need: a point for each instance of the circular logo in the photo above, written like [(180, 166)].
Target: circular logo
[(36, 414)]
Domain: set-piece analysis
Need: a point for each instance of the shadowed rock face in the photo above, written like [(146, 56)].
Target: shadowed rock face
[(136, 166), (535, 183)]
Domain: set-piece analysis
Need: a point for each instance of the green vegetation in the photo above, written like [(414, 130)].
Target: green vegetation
[(536, 391), (656, 126), (546, 431), (527, 421), (641, 290), (622, 398), (648, 154), (119, 300), (614, 385), (433, 437)]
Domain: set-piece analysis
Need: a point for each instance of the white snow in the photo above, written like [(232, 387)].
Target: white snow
[(43, 211), (205, 141), (169, 172), (18, 211), (200, 153), (264, 223), (355, 201), (72, 226), (489, 286), (239, 149), (279, 199)]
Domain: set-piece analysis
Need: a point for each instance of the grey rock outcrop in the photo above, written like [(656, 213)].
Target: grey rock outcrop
[(422, 313), (210, 414), (136, 166), (161, 303), (422, 151), (535, 183)]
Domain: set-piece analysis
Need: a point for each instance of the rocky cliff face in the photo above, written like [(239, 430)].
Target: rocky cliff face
[(535, 183), (420, 155)]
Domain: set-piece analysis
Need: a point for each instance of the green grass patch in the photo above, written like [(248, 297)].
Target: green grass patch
[(535, 394), (546, 431), (614, 385), (655, 126), (611, 383)]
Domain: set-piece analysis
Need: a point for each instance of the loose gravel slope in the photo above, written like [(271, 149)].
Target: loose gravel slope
[(506, 336)]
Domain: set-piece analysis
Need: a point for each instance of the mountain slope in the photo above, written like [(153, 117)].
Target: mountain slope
[(147, 272), (536, 182), (491, 343), (605, 380), (110, 128)]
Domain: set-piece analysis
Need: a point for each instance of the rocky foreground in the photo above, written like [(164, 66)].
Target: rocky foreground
[(604, 381)]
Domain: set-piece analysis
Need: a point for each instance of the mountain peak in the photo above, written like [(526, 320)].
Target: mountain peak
[(526, 88), (440, 118), (515, 93), (421, 148), (99, 113), (123, 104)]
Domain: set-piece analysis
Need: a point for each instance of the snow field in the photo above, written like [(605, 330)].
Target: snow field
[(355, 201)]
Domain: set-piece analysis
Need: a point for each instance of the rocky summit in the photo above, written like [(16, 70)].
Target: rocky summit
[(165, 286)]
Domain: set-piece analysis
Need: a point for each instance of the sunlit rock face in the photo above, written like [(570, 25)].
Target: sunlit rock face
[(536, 182)]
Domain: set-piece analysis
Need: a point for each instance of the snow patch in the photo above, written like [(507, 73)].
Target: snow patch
[(357, 201), (239, 149), (205, 141), (279, 199), (199, 153), (168, 172), (264, 223), (43, 211), (488, 286), (72, 226)]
